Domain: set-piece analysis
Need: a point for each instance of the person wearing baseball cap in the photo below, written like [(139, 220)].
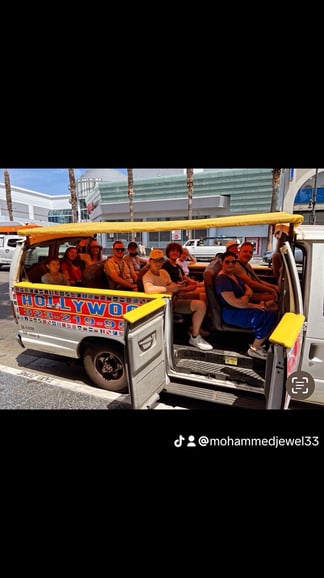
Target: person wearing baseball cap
[(215, 265), (232, 246), (158, 280), (156, 255)]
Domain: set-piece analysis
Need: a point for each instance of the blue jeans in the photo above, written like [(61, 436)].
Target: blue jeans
[(261, 322)]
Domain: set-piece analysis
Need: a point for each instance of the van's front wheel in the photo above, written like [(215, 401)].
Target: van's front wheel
[(105, 367)]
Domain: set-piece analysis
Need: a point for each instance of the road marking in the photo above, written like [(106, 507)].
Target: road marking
[(73, 386)]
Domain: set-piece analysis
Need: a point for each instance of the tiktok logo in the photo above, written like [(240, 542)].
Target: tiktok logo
[(178, 441), (191, 441)]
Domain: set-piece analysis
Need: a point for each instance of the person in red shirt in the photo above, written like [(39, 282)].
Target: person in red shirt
[(71, 266)]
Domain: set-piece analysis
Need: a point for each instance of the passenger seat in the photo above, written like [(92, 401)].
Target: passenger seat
[(215, 308)]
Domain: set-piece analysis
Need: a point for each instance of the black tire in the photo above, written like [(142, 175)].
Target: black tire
[(105, 366)]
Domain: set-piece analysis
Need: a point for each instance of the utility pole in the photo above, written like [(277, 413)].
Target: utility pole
[(274, 202), (131, 196), (8, 193), (74, 198), (189, 191)]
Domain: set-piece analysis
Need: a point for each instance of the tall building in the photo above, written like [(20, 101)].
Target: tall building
[(161, 194), (33, 207)]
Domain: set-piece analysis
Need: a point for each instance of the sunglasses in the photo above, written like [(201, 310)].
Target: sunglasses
[(118, 249), (230, 260)]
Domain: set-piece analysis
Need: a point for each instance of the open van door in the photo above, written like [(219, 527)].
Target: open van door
[(287, 338), (145, 352)]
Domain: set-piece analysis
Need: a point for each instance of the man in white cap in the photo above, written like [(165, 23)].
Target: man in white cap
[(232, 246), (216, 263)]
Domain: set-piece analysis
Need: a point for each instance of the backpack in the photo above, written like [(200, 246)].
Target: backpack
[(94, 276)]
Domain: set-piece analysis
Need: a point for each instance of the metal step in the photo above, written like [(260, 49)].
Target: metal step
[(215, 396), (223, 367)]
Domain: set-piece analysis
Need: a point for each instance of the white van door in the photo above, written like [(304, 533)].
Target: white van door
[(313, 350), (145, 353), (284, 359)]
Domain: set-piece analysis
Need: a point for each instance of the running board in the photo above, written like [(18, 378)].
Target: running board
[(215, 396), (218, 368)]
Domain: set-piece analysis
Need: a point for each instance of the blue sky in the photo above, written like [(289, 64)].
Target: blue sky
[(49, 181)]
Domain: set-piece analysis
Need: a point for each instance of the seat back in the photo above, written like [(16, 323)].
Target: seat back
[(215, 308), (94, 276), (36, 272), (213, 301), (141, 273)]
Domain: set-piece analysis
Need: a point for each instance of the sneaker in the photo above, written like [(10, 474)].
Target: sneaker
[(200, 343), (259, 352)]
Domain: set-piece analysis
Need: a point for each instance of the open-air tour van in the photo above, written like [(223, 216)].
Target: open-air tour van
[(129, 341)]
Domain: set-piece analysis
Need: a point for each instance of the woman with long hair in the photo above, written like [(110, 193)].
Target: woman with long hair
[(71, 266)]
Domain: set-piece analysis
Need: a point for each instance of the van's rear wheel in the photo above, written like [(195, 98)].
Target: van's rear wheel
[(105, 366)]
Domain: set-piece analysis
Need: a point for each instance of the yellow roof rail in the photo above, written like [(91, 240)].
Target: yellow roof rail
[(90, 228)]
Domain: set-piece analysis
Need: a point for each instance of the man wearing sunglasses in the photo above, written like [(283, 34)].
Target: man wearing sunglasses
[(117, 271)]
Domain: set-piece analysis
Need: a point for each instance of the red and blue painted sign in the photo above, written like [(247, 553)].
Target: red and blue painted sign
[(75, 310)]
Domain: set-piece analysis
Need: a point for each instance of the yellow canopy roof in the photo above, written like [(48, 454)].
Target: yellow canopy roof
[(90, 228)]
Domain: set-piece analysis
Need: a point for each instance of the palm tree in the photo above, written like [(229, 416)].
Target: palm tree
[(189, 190), (74, 198), (131, 196), (8, 193), (276, 173)]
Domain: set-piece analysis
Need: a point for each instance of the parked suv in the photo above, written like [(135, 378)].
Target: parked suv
[(267, 258), (298, 254), (7, 247)]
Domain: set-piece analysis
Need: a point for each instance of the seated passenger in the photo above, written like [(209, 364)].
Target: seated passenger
[(191, 289), (71, 266), (262, 291), (216, 263), (54, 276), (117, 271), (237, 310), (184, 259), (158, 280), (134, 262), (93, 253)]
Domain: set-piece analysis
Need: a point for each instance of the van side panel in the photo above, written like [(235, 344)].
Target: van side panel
[(57, 319)]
